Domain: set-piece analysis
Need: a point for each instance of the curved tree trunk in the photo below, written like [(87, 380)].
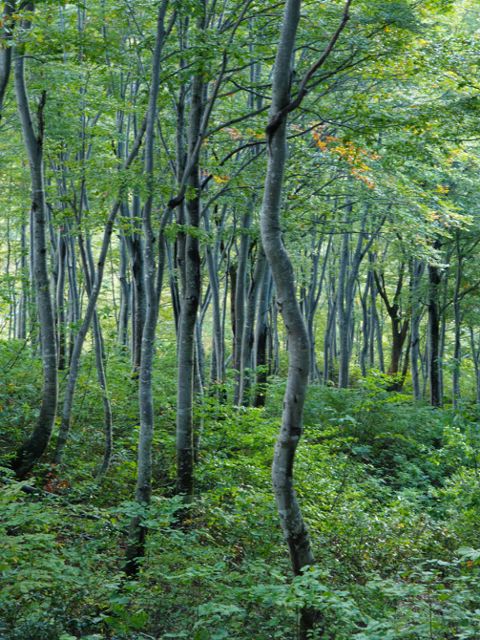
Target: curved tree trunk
[(34, 447), (293, 526), (291, 520)]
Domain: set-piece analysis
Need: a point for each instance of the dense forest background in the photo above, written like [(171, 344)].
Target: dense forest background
[(226, 225)]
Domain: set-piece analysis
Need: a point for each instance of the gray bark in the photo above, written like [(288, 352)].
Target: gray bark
[(261, 337), (291, 519), (125, 294), (88, 267), (328, 340), (248, 328), (213, 265), (21, 333), (434, 279), (191, 296), (475, 353), (5, 49), (33, 448), (418, 268), (457, 349), (240, 299), (143, 488)]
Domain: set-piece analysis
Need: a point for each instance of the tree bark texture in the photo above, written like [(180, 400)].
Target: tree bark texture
[(33, 448)]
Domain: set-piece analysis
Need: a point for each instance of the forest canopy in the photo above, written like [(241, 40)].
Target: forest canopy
[(239, 319)]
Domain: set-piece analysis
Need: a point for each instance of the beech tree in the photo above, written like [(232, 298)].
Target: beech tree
[(291, 519), (33, 448)]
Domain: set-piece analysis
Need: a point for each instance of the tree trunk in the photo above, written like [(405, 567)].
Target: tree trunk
[(248, 328), (33, 448), (343, 310), (434, 279), (143, 487), (240, 300), (218, 358), (400, 323), (139, 303), (416, 276), (89, 270), (5, 48), (60, 300), (191, 297), (291, 519), (457, 349), (23, 304), (125, 293), (261, 338)]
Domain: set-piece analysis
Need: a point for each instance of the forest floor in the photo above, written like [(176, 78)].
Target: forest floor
[(390, 492)]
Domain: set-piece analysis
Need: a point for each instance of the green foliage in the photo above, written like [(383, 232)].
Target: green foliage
[(18, 394), (389, 490)]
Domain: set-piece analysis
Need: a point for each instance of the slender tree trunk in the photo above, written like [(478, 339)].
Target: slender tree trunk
[(139, 303), (33, 448), (399, 322), (217, 372), (457, 349), (33, 313), (60, 300), (415, 280), (343, 310), (124, 314), (442, 305), (261, 339), (293, 525), (328, 351), (379, 339), (23, 305), (248, 337), (232, 275), (291, 519), (73, 295), (190, 302), (366, 324), (89, 270), (240, 300), (314, 295), (273, 350), (475, 353), (434, 280), (143, 488), (6, 31)]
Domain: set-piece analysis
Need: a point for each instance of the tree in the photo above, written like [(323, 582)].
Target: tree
[(153, 285), (34, 447), (291, 519)]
